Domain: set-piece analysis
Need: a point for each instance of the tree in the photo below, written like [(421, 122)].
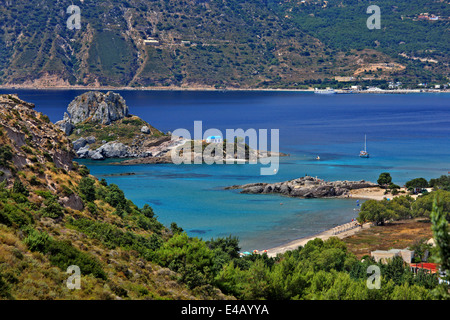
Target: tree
[(384, 179), (439, 225), (116, 197), (374, 211), (423, 205), (87, 188), (147, 211), (175, 228), (417, 183), (441, 183)]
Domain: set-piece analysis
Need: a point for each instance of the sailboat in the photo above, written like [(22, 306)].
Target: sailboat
[(364, 153)]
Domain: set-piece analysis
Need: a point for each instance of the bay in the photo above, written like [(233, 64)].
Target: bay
[(408, 135)]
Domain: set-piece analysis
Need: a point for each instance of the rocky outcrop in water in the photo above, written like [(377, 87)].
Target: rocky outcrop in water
[(108, 150), (305, 187), (96, 107), (101, 127)]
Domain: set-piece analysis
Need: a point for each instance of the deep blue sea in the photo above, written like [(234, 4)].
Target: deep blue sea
[(408, 135)]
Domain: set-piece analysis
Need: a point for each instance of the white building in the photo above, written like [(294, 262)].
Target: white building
[(384, 256), (151, 42), (214, 139)]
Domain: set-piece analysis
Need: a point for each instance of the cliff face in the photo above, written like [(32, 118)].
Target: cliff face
[(95, 107), (100, 126), (31, 137), (98, 107)]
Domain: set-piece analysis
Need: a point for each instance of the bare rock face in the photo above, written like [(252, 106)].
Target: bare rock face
[(97, 107), (73, 201), (145, 130), (31, 137), (113, 150)]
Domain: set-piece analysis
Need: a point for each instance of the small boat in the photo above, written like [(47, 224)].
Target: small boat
[(364, 153), (318, 158)]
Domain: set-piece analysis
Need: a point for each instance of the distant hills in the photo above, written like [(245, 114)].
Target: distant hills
[(222, 44)]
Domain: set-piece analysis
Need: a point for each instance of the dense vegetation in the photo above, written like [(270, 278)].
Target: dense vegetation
[(215, 43), (319, 270), (404, 206)]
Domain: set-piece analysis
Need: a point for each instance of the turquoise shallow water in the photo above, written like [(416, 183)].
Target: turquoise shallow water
[(193, 196), (408, 136)]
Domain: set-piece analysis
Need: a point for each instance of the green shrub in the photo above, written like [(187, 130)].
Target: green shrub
[(83, 171), (87, 189), (45, 118), (113, 237), (116, 197), (52, 209), (34, 181), (18, 187), (4, 289), (48, 157), (37, 241), (92, 208), (16, 215), (62, 254)]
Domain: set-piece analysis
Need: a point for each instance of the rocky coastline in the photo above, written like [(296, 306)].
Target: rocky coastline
[(305, 187), (101, 127)]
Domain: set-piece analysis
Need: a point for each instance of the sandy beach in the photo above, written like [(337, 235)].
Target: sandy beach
[(377, 194), (365, 193), (323, 235)]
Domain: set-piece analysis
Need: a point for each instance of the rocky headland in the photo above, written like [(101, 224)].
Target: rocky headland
[(101, 127), (306, 187)]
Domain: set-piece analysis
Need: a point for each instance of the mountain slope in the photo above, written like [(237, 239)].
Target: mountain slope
[(215, 43)]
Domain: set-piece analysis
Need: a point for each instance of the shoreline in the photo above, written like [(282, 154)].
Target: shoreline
[(324, 235), (211, 89), (193, 89), (359, 194)]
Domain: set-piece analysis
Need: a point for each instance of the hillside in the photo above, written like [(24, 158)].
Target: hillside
[(53, 214), (221, 44)]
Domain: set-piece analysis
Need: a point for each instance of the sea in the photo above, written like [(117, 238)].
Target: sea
[(408, 135)]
